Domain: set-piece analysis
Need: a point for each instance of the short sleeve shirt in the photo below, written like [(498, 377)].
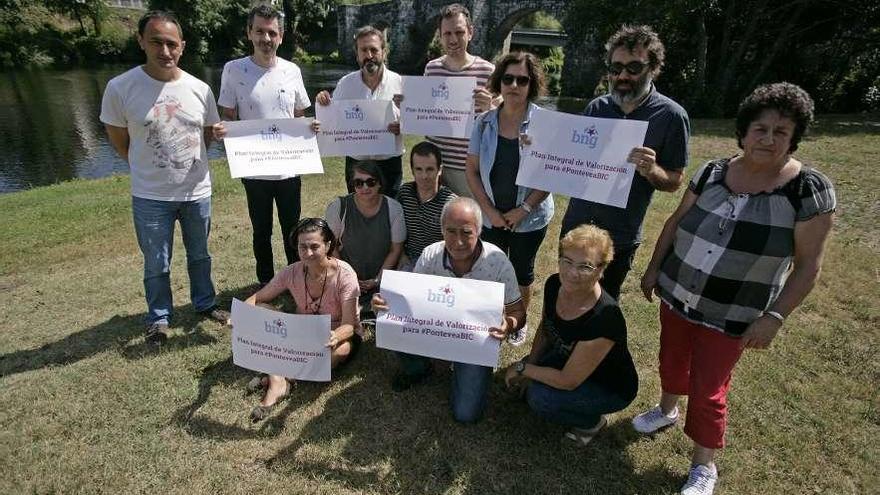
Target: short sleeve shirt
[(454, 150), (616, 373), (491, 265), (339, 289), (732, 252), (165, 122), (422, 218), (263, 93), (667, 134), (351, 87)]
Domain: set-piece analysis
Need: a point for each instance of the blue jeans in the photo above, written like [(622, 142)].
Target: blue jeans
[(470, 385), (581, 407), (154, 227)]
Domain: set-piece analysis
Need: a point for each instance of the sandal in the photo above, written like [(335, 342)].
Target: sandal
[(583, 436), (261, 412)]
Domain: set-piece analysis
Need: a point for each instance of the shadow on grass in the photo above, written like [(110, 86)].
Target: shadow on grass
[(371, 439), (122, 333)]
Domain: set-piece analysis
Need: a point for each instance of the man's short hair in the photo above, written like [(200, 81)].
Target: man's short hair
[(267, 12), (633, 37), (162, 15), (452, 10), (426, 148), (369, 30), (469, 203)]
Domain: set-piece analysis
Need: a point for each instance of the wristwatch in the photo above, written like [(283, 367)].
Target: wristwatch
[(520, 366), (526, 207)]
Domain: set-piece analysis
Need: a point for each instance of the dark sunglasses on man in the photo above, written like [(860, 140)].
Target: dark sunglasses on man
[(371, 182), (633, 68), (507, 80)]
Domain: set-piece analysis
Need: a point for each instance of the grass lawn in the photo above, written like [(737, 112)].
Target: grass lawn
[(87, 407)]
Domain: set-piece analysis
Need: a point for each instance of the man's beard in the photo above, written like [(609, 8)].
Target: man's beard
[(638, 89), (371, 66)]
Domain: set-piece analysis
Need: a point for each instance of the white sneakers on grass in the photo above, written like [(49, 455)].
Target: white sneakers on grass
[(654, 420), (519, 337), (701, 480)]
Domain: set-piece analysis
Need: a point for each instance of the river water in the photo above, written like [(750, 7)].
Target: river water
[(50, 132)]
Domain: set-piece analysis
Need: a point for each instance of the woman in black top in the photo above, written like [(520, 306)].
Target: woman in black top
[(579, 368)]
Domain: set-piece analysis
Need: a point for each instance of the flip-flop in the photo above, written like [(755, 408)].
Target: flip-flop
[(583, 436), (261, 412)]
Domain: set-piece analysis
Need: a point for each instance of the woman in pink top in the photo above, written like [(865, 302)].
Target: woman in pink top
[(320, 285)]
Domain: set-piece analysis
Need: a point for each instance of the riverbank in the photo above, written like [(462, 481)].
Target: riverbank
[(89, 408)]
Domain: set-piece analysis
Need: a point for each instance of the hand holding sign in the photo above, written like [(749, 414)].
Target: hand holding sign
[(270, 147), (438, 106), (356, 127)]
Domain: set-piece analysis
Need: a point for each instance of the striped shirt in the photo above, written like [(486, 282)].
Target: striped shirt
[(422, 219), (454, 150), (732, 252)]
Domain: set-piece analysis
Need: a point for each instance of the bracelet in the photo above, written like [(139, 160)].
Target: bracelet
[(525, 206), (776, 315)]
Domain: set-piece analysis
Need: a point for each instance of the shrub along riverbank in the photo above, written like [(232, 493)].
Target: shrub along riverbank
[(87, 407)]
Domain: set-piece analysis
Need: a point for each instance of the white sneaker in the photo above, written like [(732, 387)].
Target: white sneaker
[(519, 337), (654, 420), (701, 480)]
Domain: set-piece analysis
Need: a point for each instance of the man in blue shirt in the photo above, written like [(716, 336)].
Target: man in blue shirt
[(635, 56)]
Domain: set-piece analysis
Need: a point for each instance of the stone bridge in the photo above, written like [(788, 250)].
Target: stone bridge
[(410, 26)]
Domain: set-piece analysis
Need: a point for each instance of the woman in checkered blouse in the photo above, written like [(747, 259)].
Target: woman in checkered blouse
[(739, 254)]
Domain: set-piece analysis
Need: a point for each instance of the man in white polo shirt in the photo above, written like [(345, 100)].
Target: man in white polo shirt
[(462, 254), (265, 86), (159, 119), (374, 81)]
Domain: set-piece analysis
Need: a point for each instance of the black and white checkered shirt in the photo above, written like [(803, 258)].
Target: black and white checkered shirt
[(732, 252)]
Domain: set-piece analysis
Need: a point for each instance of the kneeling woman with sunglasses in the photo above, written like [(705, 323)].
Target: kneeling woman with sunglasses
[(370, 227), (579, 368), (319, 285)]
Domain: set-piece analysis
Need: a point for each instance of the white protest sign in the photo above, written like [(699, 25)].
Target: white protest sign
[(271, 147), (278, 343), (356, 127), (581, 157), (438, 106), (440, 317)]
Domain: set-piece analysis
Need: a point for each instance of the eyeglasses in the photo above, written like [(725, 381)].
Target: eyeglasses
[(507, 80), (358, 183), (580, 268), (633, 68)]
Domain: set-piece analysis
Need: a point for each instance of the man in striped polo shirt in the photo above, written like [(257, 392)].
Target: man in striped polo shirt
[(456, 31)]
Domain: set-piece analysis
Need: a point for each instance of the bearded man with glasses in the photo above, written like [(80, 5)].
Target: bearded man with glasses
[(634, 58)]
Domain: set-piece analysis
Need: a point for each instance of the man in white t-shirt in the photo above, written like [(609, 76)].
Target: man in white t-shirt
[(455, 32), (265, 86), (374, 81), (159, 119), (462, 254)]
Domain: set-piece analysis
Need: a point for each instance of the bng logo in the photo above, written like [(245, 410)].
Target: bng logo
[(271, 134), (276, 327), (441, 92), (589, 137), (354, 113), (443, 296)]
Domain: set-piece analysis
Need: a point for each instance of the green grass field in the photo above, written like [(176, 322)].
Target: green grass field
[(87, 407)]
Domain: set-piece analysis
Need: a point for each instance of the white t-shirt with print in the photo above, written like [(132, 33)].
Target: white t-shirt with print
[(263, 93), (492, 265), (165, 122), (351, 87)]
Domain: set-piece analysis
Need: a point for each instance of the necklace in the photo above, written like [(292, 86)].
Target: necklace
[(312, 305)]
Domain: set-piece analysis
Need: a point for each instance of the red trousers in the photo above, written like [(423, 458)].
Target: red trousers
[(697, 361)]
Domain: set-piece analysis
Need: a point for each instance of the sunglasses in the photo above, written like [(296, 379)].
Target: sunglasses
[(357, 183), (633, 68), (507, 80)]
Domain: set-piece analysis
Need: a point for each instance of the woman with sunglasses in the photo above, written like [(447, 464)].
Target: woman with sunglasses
[(319, 285), (579, 368), (370, 227), (515, 218)]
